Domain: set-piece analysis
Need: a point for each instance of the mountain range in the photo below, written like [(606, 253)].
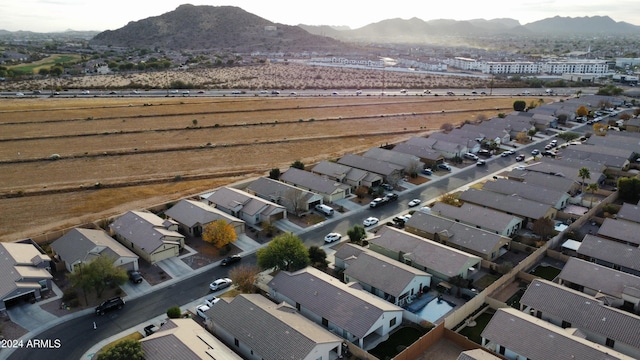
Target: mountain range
[(233, 29)]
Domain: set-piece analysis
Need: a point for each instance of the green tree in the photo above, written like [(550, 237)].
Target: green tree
[(220, 233), (244, 277), (357, 234), (98, 275), (568, 136), (318, 257), (128, 349), (284, 252), (629, 189), (543, 227), (584, 174), (174, 312), (298, 165), (519, 105), (592, 188), (274, 174)]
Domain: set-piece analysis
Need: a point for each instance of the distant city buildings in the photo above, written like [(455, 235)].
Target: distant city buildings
[(578, 66)]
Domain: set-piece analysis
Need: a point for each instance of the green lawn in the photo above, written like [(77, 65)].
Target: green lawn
[(33, 67), (397, 342), (473, 333), (514, 301), (485, 281), (546, 272)]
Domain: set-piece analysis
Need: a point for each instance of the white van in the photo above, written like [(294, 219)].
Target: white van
[(324, 209)]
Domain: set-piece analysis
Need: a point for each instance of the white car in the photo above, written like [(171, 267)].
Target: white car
[(174, 91), (202, 309), (370, 221), (220, 284), (331, 237), (19, 94), (414, 202), (211, 300), (85, 92)]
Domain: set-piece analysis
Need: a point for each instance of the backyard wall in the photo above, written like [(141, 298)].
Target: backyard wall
[(421, 345)]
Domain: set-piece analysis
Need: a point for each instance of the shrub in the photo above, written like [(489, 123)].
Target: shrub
[(174, 312), (69, 295)]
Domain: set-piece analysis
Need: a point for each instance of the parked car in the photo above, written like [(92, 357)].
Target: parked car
[(370, 221), (484, 152), (414, 202), (211, 300), (324, 209), (387, 187), (331, 237), (391, 197), (375, 202), (444, 167), (427, 171), (520, 158), (231, 260), (135, 277), (115, 303), (505, 154), (201, 310), (470, 156), (220, 284), (481, 163)]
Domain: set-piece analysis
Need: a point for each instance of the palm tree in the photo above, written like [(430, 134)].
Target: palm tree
[(584, 174), (592, 188)]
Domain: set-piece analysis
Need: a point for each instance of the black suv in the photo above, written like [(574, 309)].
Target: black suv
[(111, 304)]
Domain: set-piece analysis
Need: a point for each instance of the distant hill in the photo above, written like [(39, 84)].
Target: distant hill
[(214, 27), (582, 25)]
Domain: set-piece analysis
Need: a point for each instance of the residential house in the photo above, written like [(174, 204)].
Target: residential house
[(528, 210), (541, 194), (615, 287), (25, 273), (361, 317), (409, 163), (618, 140), (258, 329), (486, 132), (609, 253), (477, 354), (184, 339), (485, 219), (330, 190), (428, 156), (246, 206), (596, 320), (469, 142), (611, 158), (390, 173), (445, 148), (297, 201), (551, 182), (629, 212), (193, 216), (620, 230), (347, 174), (632, 125), (386, 278), (148, 235), (538, 120), (516, 335), (84, 245), (487, 245), (568, 168), (441, 261)]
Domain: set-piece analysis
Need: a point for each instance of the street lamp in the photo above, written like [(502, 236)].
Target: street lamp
[(386, 62)]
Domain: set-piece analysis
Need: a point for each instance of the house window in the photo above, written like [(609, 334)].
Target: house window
[(610, 343), (236, 342), (565, 324), (298, 306), (325, 322), (501, 350), (392, 322), (43, 284)]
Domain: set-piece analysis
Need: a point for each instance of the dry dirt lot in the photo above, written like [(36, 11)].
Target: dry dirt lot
[(121, 154)]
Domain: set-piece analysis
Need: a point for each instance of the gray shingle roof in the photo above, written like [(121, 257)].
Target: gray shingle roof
[(596, 154), (372, 165), (313, 182), (464, 236), (477, 354), (144, 229), (339, 171), (419, 151), (629, 212), (381, 272), (273, 331), (611, 251), (538, 340), (583, 312), (527, 191), (600, 278), (277, 191), (351, 309), (430, 254), (476, 215), (238, 200), (553, 182), (74, 246), (16, 261), (190, 213), (620, 230), (394, 157), (506, 203)]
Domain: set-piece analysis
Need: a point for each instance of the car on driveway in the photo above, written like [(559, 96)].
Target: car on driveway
[(387, 187), (370, 221), (115, 303), (414, 202), (470, 156), (427, 171), (201, 310), (444, 167), (331, 237), (231, 260), (211, 300), (520, 158), (135, 277), (220, 284)]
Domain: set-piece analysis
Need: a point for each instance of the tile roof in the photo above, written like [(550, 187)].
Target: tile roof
[(316, 183), (471, 214), (273, 331), (144, 229), (381, 272), (537, 339), (77, 244), (430, 254), (620, 230), (600, 278), (583, 312), (190, 213), (464, 236), (349, 308), (506, 203), (611, 251), (629, 212)]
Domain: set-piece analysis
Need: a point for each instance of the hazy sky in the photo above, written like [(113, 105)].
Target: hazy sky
[(60, 15)]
